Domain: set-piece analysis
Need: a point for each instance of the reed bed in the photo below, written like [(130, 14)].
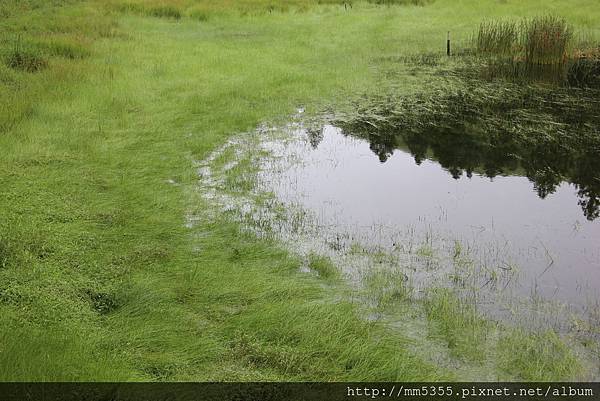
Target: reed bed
[(536, 49), (546, 40), (541, 40)]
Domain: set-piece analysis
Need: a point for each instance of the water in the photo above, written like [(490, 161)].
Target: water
[(533, 242)]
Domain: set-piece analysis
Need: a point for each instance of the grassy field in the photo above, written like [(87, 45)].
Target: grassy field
[(103, 109)]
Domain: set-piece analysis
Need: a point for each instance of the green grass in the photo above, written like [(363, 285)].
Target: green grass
[(99, 277), (516, 353), (496, 37), (202, 10), (387, 288), (459, 324), (323, 266), (542, 356)]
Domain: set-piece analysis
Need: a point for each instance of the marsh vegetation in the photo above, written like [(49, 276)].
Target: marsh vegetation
[(138, 240)]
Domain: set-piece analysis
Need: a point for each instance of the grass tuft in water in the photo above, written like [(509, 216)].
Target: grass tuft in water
[(458, 323), (387, 287), (537, 356), (322, 265)]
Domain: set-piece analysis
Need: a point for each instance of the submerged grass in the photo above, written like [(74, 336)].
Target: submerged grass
[(458, 323), (517, 354), (386, 288), (323, 266), (541, 356)]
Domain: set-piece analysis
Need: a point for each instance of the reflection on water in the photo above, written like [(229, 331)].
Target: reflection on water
[(546, 164), (394, 190)]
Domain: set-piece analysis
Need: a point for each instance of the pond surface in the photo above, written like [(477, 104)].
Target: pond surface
[(545, 245)]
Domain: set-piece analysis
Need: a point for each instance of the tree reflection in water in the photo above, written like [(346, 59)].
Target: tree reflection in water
[(498, 142)]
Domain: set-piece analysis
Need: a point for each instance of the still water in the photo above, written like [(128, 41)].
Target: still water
[(396, 198)]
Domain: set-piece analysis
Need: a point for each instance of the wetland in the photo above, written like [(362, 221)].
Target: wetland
[(302, 191)]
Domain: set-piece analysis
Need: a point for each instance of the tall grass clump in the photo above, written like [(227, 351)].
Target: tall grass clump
[(545, 40), (497, 37), (151, 10), (534, 49), (165, 12), (25, 57)]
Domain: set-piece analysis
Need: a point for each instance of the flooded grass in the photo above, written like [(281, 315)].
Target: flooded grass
[(322, 265), (388, 281), (458, 286), (493, 129), (386, 288), (537, 356), (458, 323)]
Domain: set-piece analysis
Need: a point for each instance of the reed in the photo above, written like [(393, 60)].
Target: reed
[(497, 37), (535, 49), (545, 40)]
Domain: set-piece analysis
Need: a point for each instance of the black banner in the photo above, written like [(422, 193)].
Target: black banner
[(296, 391)]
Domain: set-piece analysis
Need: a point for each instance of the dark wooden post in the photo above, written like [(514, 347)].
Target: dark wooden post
[(448, 44)]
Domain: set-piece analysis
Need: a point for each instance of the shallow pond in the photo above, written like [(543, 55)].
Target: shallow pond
[(537, 247)]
